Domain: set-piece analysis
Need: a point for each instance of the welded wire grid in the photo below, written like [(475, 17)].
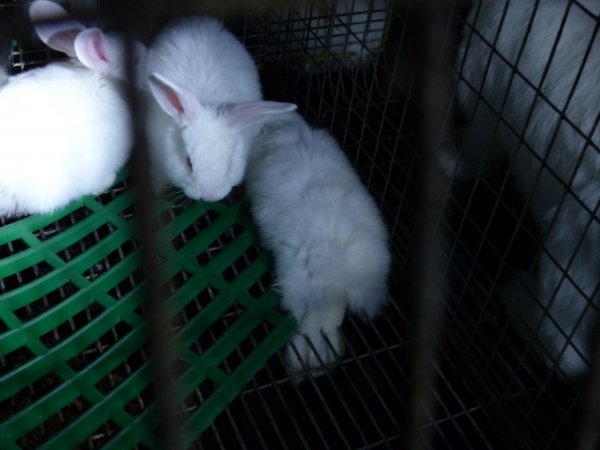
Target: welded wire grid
[(491, 391), (492, 237)]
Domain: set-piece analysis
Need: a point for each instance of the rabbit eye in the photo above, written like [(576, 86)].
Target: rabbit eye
[(189, 163)]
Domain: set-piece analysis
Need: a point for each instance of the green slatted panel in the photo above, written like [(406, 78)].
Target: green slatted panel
[(71, 307)]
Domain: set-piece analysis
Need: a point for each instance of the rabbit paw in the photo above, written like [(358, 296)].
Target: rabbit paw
[(318, 342), (306, 351)]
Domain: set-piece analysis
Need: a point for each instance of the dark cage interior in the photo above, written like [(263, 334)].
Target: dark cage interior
[(446, 364)]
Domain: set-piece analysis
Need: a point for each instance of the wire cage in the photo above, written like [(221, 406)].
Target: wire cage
[(444, 366)]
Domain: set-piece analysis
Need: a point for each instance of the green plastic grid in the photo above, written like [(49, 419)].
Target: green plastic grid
[(71, 287)]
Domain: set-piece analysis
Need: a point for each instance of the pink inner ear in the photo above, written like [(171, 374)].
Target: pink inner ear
[(174, 100), (99, 50), (166, 97), (90, 49)]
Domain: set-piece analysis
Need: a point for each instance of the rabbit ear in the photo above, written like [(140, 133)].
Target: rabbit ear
[(54, 26), (177, 101), (92, 49), (105, 53), (252, 113)]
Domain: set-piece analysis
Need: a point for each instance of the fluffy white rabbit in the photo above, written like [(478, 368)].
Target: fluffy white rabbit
[(315, 32), (556, 167), (206, 88), (324, 229), (66, 125)]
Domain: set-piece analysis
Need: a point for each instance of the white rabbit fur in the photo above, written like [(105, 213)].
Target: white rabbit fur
[(554, 155), (324, 229), (350, 31), (65, 127), (205, 83)]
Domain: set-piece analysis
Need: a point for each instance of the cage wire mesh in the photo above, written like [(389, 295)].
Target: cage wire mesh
[(75, 366)]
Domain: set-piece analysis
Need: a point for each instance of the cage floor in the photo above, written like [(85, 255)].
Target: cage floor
[(76, 368)]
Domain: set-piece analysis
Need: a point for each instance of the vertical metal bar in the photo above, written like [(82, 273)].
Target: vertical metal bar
[(588, 437), (156, 322), (436, 100)]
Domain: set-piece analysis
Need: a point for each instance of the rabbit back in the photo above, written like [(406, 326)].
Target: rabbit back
[(200, 54), (570, 283), (328, 238), (66, 134), (535, 65), (547, 55)]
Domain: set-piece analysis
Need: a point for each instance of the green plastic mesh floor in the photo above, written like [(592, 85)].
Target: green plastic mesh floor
[(74, 362)]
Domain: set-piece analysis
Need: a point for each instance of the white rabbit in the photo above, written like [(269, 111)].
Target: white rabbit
[(324, 229), (319, 32), (66, 127), (206, 87), (557, 160)]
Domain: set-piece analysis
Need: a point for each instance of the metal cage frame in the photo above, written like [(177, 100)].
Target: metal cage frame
[(441, 368)]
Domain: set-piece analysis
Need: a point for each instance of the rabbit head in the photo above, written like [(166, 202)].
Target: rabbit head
[(216, 138)]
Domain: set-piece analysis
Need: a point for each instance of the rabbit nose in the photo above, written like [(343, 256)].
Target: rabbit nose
[(211, 196)]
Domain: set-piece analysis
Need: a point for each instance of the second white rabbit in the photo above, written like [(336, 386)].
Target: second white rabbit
[(324, 229)]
